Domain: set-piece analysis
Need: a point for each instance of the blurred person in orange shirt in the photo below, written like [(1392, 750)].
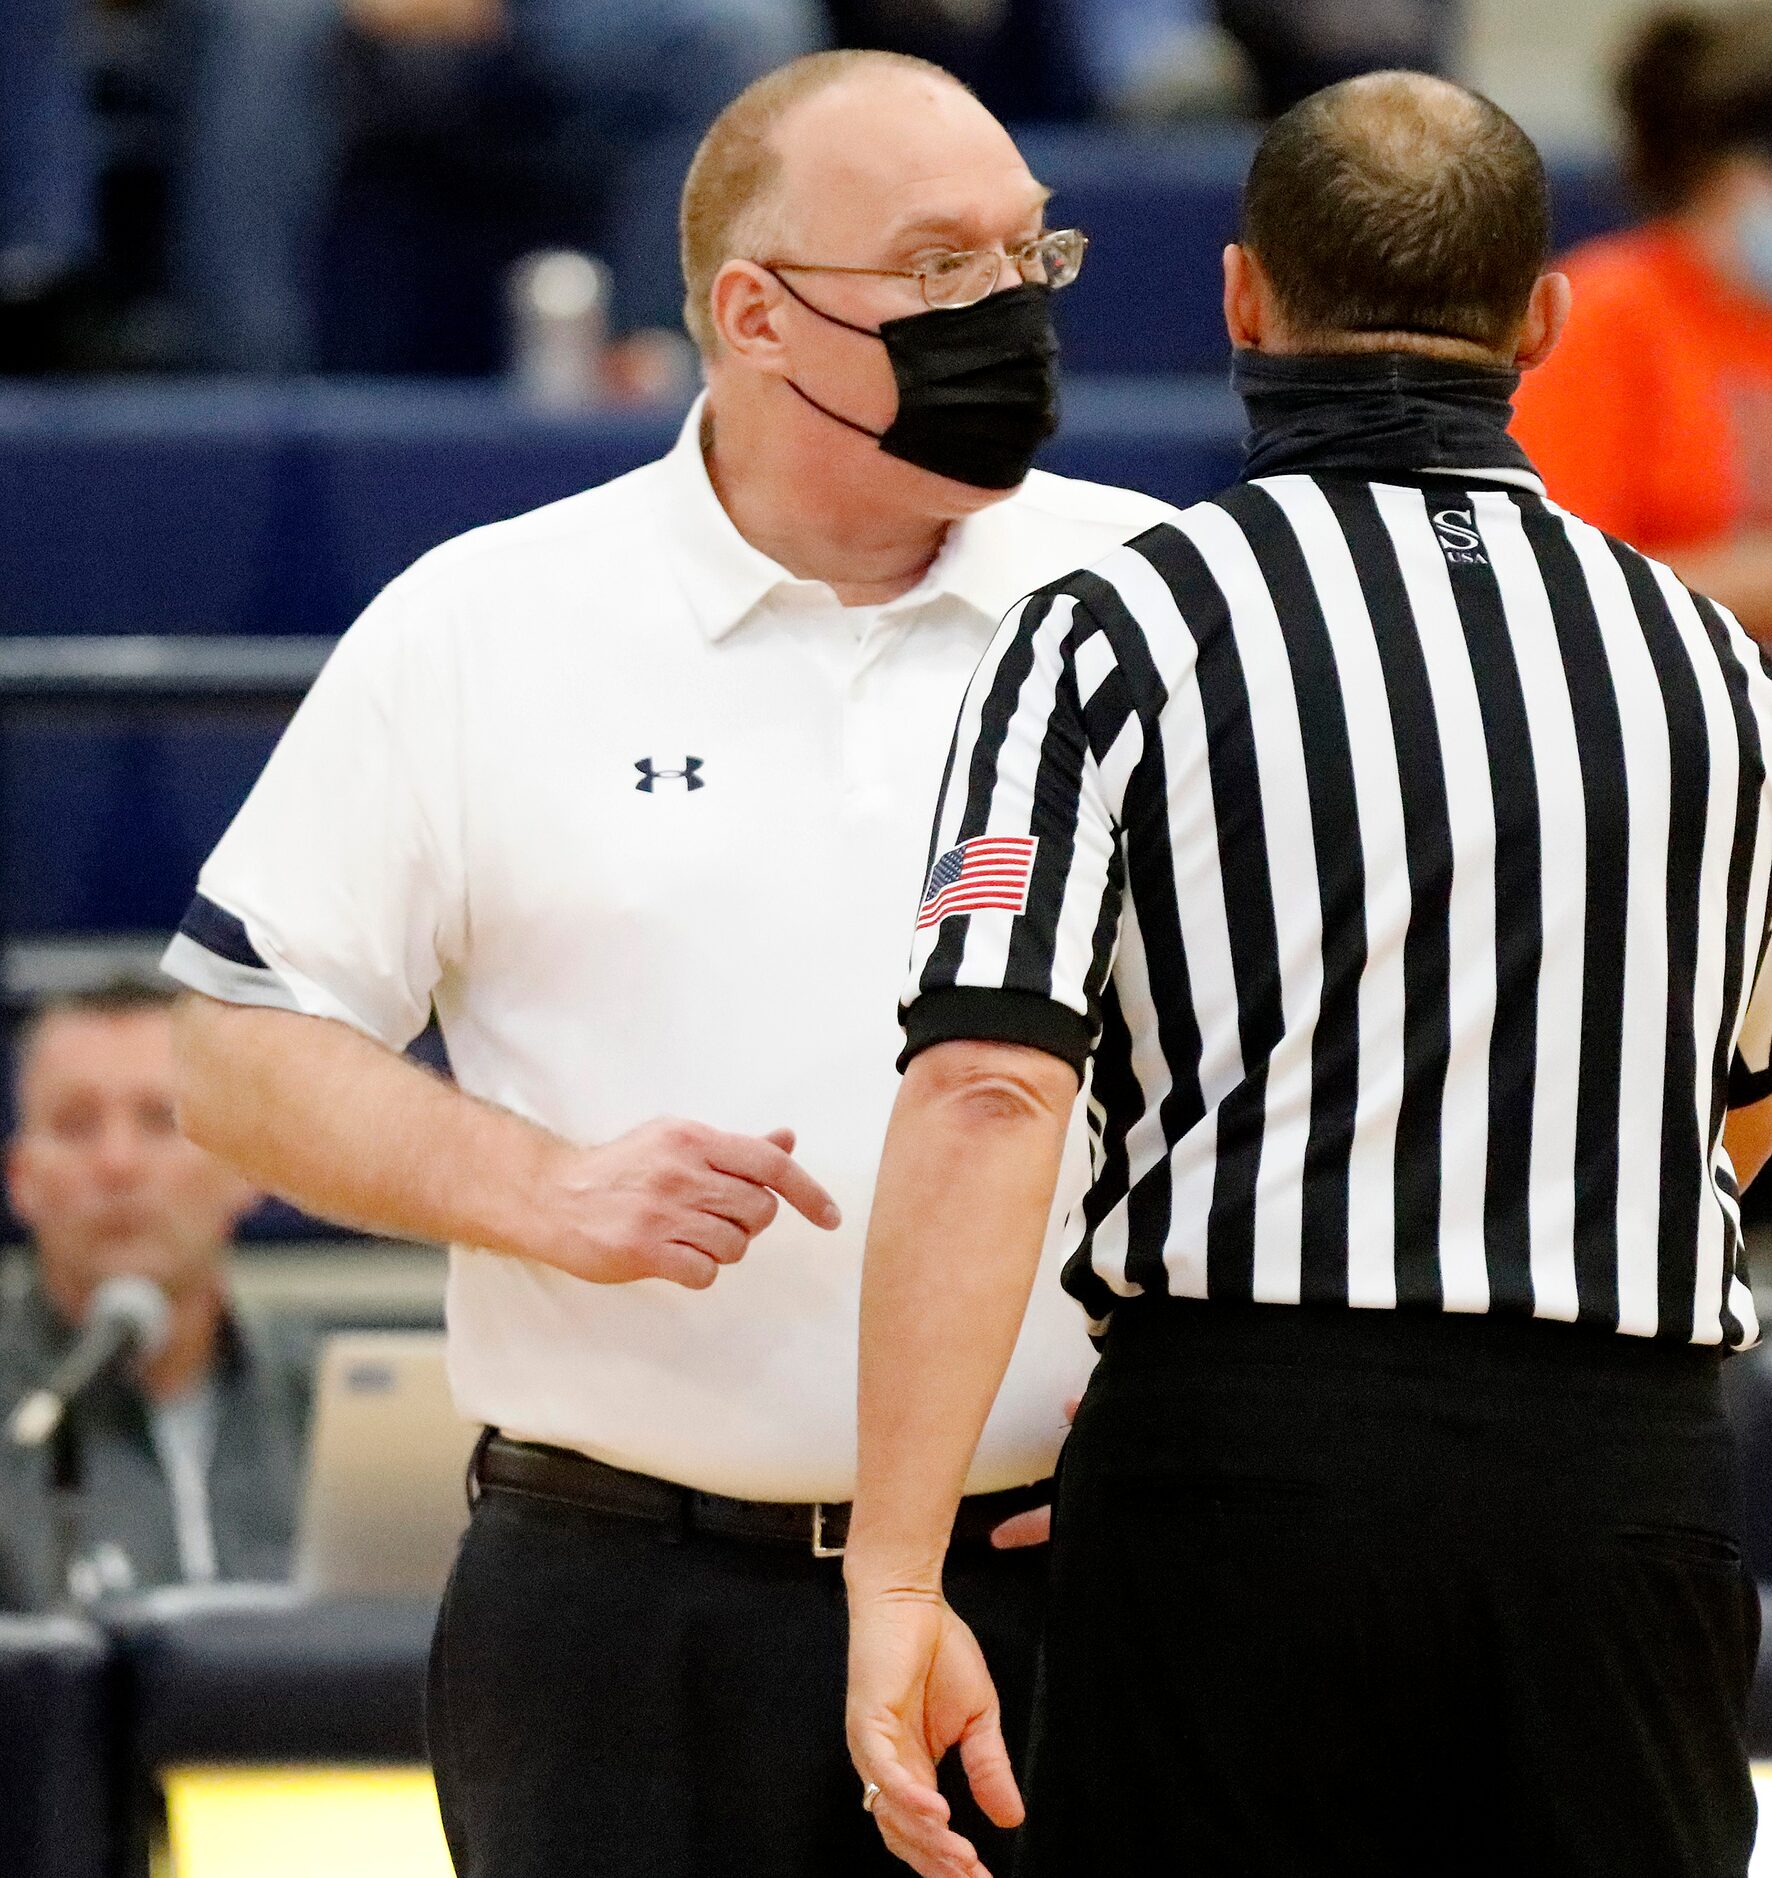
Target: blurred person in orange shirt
[(1654, 420)]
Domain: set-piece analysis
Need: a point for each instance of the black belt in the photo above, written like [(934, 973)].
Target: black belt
[(506, 1466)]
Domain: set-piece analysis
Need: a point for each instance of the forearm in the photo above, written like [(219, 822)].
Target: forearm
[(325, 1117), (960, 1214)]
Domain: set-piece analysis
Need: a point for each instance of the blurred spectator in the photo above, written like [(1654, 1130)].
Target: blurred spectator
[(627, 88), (47, 173), (190, 1465), (1034, 59), (1155, 58), (1299, 46), (1654, 420), (1159, 58)]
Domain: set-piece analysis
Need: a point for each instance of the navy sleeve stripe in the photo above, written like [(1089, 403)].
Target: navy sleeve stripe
[(217, 930)]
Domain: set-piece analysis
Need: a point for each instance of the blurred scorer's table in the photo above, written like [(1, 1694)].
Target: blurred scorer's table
[(301, 1822), (357, 1822), (285, 1730)]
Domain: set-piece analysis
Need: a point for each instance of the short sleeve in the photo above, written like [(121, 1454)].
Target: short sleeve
[(1750, 1074), (338, 889), (1019, 919)]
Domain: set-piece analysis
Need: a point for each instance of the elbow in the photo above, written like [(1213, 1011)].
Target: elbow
[(991, 1087), (196, 1069)]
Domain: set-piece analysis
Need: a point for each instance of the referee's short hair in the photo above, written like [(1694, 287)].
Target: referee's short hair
[(1398, 203)]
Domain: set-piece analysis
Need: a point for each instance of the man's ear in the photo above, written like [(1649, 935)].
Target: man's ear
[(1245, 298), (1547, 313), (744, 303)]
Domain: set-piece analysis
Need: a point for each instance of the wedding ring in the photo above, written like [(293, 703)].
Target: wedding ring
[(870, 1797)]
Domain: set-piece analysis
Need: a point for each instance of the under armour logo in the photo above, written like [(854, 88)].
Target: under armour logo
[(1459, 540), (651, 775)]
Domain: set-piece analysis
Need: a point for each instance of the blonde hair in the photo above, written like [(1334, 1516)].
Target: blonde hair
[(729, 196)]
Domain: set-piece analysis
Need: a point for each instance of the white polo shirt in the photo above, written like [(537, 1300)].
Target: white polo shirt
[(646, 819)]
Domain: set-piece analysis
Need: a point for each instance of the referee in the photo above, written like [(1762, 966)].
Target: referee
[(1393, 850)]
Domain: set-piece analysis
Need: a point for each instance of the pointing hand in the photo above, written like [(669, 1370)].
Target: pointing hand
[(674, 1199)]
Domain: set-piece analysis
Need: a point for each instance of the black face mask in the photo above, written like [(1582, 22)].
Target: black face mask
[(977, 385)]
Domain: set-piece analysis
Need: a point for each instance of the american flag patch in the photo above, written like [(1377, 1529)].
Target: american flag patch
[(988, 874)]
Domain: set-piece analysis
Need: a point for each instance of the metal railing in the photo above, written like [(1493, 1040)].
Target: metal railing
[(56, 676), (113, 669)]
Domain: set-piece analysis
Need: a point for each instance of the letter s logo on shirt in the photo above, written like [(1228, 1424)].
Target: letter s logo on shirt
[(1458, 537)]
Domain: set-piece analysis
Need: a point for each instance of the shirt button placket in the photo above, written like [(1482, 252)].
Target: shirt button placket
[(863, 764), (855, 765)]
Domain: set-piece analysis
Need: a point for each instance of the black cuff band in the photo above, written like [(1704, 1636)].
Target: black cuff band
[(985, 1016)]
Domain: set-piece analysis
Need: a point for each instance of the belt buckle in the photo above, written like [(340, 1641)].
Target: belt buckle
[(819, 1548)]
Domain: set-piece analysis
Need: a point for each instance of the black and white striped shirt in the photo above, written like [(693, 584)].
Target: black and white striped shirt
[(1400, 856)]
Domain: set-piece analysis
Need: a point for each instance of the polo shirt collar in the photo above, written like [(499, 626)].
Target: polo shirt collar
[(970, 566), (725, 578)]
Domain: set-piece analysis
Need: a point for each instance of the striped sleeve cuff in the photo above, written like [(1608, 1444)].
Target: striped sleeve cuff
[(213, 953), (981, 1015), (1748, 1086)]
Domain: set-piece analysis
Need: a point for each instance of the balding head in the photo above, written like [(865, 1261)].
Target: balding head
[(825, 150), (1398, 204), (818, 206)]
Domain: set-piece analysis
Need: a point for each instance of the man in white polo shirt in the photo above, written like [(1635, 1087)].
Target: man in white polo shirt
[(630, 790)]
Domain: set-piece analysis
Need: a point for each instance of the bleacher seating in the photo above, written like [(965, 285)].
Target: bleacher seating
[(218, 510)]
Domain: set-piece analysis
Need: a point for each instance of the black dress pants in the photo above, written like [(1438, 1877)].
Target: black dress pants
[(609, 1699), (1356, 1593)]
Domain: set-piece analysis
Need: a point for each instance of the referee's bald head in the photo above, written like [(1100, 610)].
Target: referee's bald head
[(1397, 207)]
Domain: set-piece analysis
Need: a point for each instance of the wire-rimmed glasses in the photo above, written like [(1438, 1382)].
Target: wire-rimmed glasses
[(964, 277)]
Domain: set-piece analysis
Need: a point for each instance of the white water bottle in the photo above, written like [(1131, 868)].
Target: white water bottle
[(559, 314)]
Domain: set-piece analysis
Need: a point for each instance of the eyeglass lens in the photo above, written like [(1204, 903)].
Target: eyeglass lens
[(964, 279)]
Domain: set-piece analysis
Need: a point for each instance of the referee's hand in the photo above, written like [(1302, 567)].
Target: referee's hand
[(917, 1686), (672, 1199)]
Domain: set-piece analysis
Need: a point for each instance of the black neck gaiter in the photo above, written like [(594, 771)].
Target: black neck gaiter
[(977, 385), (1374, 413)]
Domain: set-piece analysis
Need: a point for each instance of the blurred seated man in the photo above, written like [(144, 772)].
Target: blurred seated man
[(628, 88), (190, 1463), (1654, 420)]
